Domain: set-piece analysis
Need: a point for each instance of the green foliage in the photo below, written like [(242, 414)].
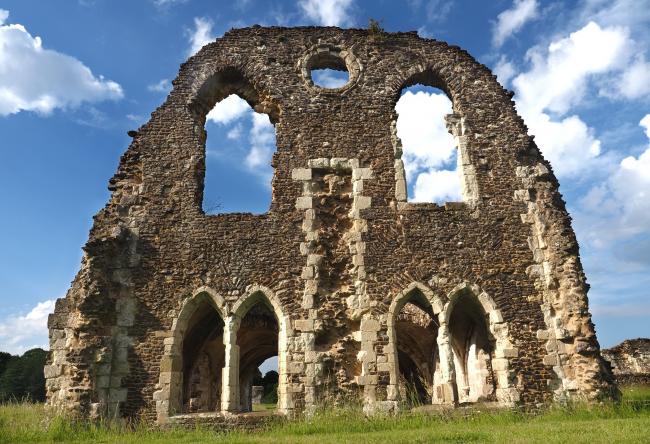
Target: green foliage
[(270, 384), (22, 376), (4, 359), (374, 28)]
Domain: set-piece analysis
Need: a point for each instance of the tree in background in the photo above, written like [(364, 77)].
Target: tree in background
[(21, 377), (270, 383)]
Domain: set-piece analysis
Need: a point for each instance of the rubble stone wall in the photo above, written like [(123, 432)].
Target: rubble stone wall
[(339, 253), (630, 361)]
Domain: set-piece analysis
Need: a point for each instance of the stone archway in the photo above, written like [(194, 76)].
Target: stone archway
[(414, 345), (244, 354), (480, 347), (174, 389)]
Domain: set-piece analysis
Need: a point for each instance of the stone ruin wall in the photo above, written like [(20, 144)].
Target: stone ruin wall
[(482, 300), (630, 361)]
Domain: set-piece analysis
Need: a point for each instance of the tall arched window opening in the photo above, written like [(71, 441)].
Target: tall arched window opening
[(239, 148), (428, 150)]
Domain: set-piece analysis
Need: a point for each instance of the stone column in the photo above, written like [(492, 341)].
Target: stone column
[(445, 392), (230, 371)]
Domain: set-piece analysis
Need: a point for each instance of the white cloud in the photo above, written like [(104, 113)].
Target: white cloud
[(558, 80), (438, 10), (235, 133), (229, 109), (262, 138), (619, 208), (427, 146), (504, 70), (426, 143), (162, 86), (201, 34), (19, 333), (569, 144), (512, 20), (329, 78), (635, 81), (560, 74), (437, 186), (230, 112), (629, 13), (23, 86), (327, 12), (165, 4)]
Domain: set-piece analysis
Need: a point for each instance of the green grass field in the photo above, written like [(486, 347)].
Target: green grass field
[(627, 422)]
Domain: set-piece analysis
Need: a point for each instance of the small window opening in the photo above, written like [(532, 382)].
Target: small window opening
[(429, 151), (328, 70), (330, 78), (239, 149)]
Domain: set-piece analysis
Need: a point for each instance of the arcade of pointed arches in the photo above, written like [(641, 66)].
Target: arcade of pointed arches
[(443, 351)]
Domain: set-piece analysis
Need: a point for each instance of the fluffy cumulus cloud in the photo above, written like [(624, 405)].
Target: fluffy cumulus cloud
[(161, 86), (229, 109), (512, 20), (560, 77), (25, 87), (427, 146), (262, 140), (239, 120), (504, 70), (19, 333), (201, 34), (327, 12), (635, 80), (622, 201), (560, 72)]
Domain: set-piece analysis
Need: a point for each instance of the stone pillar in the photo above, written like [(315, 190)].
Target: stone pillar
[(445, 392), (230, 371)]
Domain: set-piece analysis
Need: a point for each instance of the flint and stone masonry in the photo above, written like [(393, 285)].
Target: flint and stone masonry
[(362, 295)]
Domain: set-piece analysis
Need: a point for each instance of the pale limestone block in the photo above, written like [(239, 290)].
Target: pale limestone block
[(304, 324), (550, 360), (308, 272), (500, 364), (339, 163), (362, 202), (319, 163), (361, 173), (301, 174), (304, 203)]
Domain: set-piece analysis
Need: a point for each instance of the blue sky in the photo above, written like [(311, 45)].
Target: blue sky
[(75, 76)]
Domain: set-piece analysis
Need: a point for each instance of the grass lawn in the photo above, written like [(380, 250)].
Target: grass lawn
[(264, 407), (628, 422)]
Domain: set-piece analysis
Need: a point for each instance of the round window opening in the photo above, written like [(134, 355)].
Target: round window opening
[(328, 68)]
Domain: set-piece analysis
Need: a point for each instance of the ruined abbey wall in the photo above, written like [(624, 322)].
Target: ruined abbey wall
[(362, 295)]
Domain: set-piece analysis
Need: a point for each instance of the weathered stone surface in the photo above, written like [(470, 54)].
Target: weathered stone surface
[(357, 291), (630, 361)]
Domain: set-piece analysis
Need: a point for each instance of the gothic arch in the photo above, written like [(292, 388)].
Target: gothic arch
[(489, 352), (232, 393), (415, 362), (169, 395)]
